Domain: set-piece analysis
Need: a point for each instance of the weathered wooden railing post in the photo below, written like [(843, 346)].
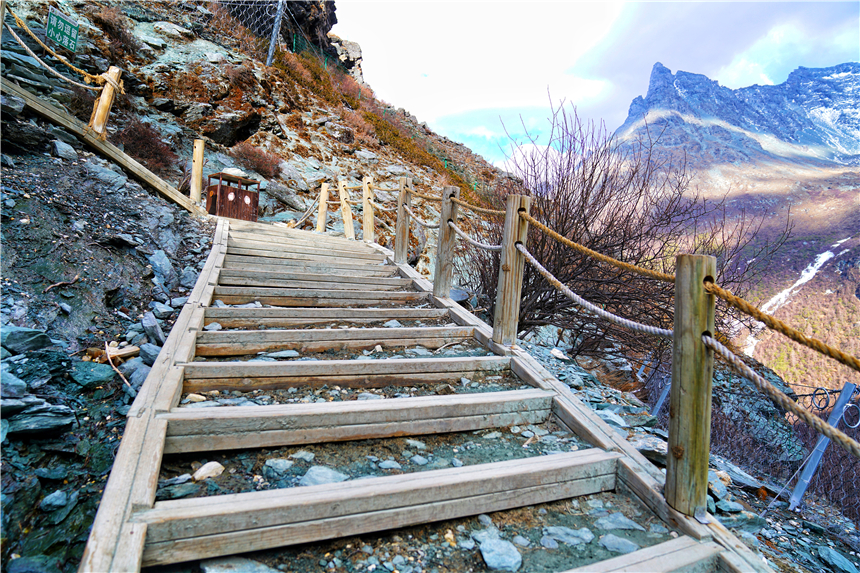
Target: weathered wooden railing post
[(98, 122), (690, 397), (197, 171), (345, 210), (511, 268), (444, 273), (367, 209), (401, 229), (322, 211)]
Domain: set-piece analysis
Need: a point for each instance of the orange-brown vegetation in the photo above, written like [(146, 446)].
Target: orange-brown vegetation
[(265, 163), (143, 142)]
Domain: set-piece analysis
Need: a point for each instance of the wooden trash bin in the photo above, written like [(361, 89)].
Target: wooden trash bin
[(231, 196)]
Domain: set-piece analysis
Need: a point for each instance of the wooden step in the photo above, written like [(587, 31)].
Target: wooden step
[(335, 268), (244, 376), (187, 529), (278, 249), (681, 555), (226, 428), (299, 256), (315, 297), (263, 278), (285, 317), (304, 239), (241, 343)]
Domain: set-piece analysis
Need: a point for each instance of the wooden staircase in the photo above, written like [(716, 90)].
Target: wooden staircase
[(306, 282)]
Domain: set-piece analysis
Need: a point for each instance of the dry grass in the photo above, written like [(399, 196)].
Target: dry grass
[(265, 163), (143, 143)]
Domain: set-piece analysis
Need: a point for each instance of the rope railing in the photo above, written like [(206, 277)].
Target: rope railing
[(419, 221), (471, 241), (477, 209), (614, 319), (379, 207), (784, 329), (425, 197), (594, 254), (782, 400)]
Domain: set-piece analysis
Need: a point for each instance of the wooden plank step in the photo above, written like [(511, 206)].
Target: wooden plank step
[(314, 297), (244, 342), (183, 530), (681, 555), (302, 238), (277, 249), (207, 376), (268, 264), (190, 430), (346, 282), (285, 317), (300, 256), (330, 284)]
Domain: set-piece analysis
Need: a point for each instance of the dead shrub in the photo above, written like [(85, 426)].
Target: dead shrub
[(362, 130), (240, 76), (256, 159), (81, 103), (143, 142), (115, 27)]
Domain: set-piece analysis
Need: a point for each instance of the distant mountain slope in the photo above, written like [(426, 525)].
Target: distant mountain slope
[(813, 116)]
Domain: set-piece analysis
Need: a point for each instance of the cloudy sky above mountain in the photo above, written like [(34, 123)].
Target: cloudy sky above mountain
[(476, 69)]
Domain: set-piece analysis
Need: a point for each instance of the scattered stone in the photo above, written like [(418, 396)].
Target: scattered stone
[(456, 463), (195, 398), (727, 506), (18, 340), (319, 475), (139, 376), (55, 501), (369, 396), (91, 374), (277, 467), (548, 542), (417, 444), (485, 520), (389, 465), (617, 521), (283, 354), (392, 324), (657, 529), (618, 544), (171, 30), (178, 302), (468, 544), (63, 150), (521, 541), (188, 277), (569, 536), (163, 268), (500, 555), (153, 329), (835, 559), (743, 520), (492, 436), (303, 455), (611, 418), (41, 418), (149, 353), (208, 470), (161, 310), (419, 460), (653, 448), (234, 565), (212, 327), (11, 386), (716, 486), (56, 473)]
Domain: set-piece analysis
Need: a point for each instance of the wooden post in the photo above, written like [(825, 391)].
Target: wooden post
[(345, 210), (98, 122), (690, 397), (367, 210), (401, 229), (444, 273), (322, 212), (197, 171), (511, 269), (2, 18)]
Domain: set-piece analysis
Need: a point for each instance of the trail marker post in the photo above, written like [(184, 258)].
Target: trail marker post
[(445, 245), (511, 268)]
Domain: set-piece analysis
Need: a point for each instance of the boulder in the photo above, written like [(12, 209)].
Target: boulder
[(43, 418), (18, 340), (163, 268), (153, 329), (501, 555), (91, 374), (63, 150), (149, 353)]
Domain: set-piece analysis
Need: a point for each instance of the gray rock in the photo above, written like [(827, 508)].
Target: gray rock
[(456, 463), (197, 111), (652, 447), (63, 150), (171, 30), (569, 536), (235, 565), (467, 544), (277, 467), (548, 542), (178, 302), (743, 520), (139, 376), (41, 418), (149, 353), (368, 156), (283, 354), (54, 473), (161, 310), (727, 506), (35, 563), (392, 324), (319, 475), (163, 268), (500, 555), (716, 486), (389, 465), (303, 455), (109, 177), (657, 529), (212, 327), (618, 544), (521, 541), (12, 105), (18, 340), (66, 308), (369, 396), (617, 521), (188, 277), (612, 418), (485, 520), (91, 374), (483, 535), (11, 386), (418, 460), (153, 329), (835, 559), (55, 501), (417, 444)]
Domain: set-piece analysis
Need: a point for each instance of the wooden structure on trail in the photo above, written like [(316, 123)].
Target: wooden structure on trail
[(314, 279), (237, 201)]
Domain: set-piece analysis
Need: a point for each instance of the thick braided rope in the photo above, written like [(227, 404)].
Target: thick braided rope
[(782, 328), (472, 241), (379, 207), (586, 251), (89, 77), (476, 208), (419, 221), (632, 325), (378, 188), (49, 68), (782, 400), (425, 197)]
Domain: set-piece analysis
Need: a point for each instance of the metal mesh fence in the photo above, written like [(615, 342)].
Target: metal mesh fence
[(759, 437)]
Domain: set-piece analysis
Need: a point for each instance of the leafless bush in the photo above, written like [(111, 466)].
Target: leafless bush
[(143, 142), (627, 203), (265, 163)]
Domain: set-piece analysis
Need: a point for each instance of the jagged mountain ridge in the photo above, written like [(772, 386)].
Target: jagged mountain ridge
[(813, 116)]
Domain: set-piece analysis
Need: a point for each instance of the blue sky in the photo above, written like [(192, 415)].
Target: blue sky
[(472, 69)]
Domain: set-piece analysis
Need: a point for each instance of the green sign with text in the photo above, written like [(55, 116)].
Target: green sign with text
[(62, 29)]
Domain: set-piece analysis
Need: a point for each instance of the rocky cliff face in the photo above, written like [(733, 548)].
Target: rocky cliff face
[(813, 116)]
